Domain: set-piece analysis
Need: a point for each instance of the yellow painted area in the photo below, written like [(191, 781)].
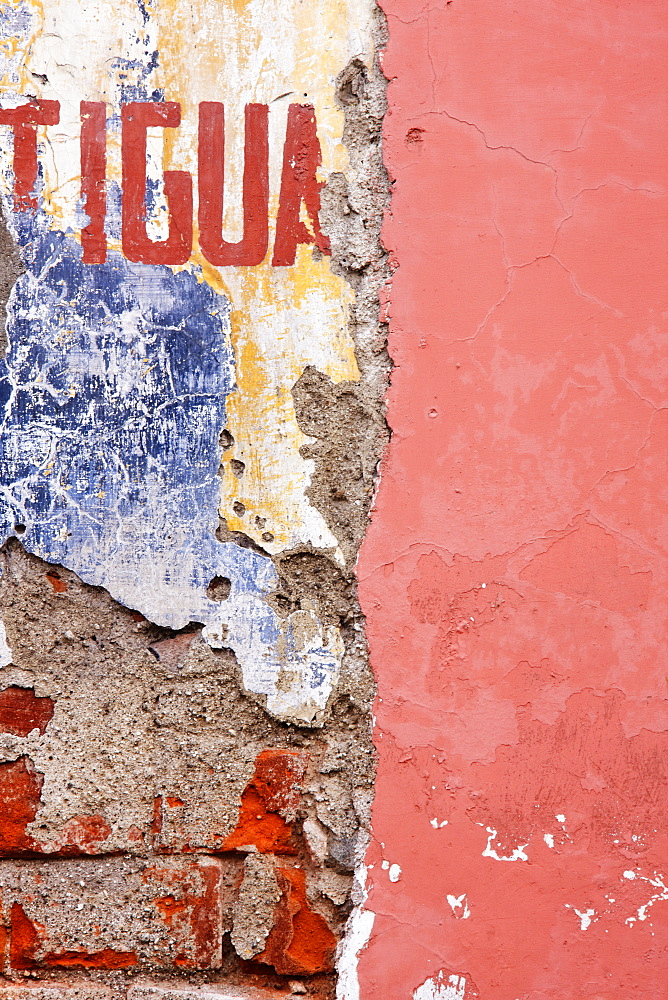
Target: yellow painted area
[(283, 319)]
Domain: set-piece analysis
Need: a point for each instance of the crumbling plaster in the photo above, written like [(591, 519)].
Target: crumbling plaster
[(146, 789)]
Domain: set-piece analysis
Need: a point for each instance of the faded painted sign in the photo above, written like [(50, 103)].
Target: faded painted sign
[(161, 164)]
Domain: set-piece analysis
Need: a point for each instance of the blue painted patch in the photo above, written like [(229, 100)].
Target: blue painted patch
[(113, 399)]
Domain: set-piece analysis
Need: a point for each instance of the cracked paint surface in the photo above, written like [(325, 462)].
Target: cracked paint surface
[(514, 575), (120, 377)]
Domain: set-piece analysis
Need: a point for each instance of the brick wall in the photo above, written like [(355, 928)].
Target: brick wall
[(155, 824)]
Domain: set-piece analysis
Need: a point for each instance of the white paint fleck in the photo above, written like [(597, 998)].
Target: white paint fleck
[(658, 883), (385, 865), (457, 904), (355, 940), (436, 825), (358, 932), (584, 915), (549, 839), (5, 651), (560, 818), (518, 853), (395, 873), (441, 987)]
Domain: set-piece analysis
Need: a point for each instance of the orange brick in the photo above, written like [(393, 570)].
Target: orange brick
[(268, 805), (272, 794), (301, 942), (221, 993), (21, 711), (117, 913), (20, 793)]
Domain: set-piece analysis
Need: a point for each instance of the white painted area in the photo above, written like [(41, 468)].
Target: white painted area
[(297, 671), (584, 915), (5, 651), (441, 987), (549, 839), (355, 940), (395, 873), (657, 882), (459, 906), (517, 854)]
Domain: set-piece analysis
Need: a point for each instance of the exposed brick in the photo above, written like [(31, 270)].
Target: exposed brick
[(78, 991), (300, 942), (221, 993), (20, 798), (268, 804), (278, 777), (117, 913), (272, 794), (24, 938), (21, 711), (172, 652), (83, 835), (56, 581), (20, 791)]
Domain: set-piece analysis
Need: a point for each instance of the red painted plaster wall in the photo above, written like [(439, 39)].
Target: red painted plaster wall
[(514, 576)]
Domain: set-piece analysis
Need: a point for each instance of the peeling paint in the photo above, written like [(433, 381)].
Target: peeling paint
[(442, 987), (358, 931), (459, 906), (120, 378), (5, 651)]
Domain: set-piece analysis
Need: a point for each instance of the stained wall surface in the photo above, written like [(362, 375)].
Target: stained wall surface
[(514, 575)]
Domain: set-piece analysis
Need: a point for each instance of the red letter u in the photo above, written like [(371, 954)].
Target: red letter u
[(252, 248), (137, 117)]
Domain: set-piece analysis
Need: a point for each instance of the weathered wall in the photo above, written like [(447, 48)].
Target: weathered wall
[(191, 423), (191, 382), (514, 576)]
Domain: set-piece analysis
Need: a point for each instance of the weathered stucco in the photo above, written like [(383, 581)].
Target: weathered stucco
[(192, 419), (514, 575)]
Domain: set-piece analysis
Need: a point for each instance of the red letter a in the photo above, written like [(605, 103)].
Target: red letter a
[(301, 159), (24, 121), (252, 248), (137, 117)]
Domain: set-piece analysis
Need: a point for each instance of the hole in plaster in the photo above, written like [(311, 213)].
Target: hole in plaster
[(414, 136), (237, 467), (225, 440), (219, 589), (238, 508)]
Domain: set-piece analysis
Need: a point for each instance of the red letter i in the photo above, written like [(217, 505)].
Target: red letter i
[(94, 180)]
